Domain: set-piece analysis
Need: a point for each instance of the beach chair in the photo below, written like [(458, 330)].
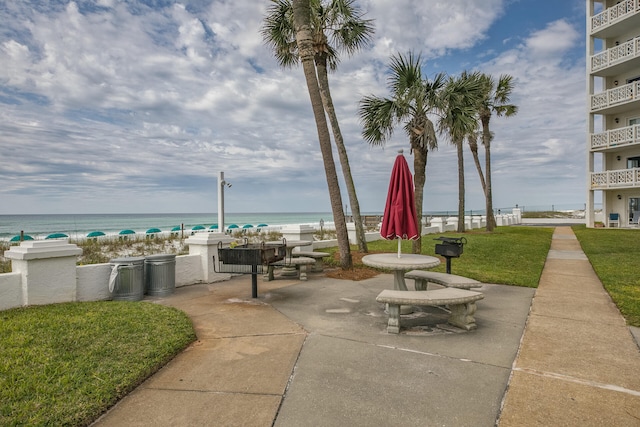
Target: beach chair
[(614, 218)]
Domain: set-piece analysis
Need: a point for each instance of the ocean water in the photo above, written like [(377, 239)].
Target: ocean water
[(77, 226)]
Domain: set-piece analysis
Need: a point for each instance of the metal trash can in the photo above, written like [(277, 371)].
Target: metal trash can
[(160, 274), (127, 278)]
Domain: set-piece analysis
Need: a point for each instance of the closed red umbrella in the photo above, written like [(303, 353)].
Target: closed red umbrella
[(399, 219)]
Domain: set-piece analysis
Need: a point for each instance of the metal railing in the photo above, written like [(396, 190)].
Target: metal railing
[(620, 178), (614, 14), (615, 55), (616, 96), (620, 137)]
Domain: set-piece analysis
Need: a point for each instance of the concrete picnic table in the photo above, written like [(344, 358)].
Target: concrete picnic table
[(288, 270), (400, 265)]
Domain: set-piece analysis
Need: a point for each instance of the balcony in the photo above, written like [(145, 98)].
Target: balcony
[(626, 13), (616, 138), (618, 99), (618, 179), (617, 60)]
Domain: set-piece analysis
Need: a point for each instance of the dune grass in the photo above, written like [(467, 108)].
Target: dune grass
[(65, 364)]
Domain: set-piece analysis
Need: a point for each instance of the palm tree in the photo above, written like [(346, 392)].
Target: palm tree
[(412, 100), (304, 41), (340, 22), (459, 99), (494, 99)]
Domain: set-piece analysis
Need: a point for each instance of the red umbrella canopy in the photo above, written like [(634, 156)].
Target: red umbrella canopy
[(399, 220)]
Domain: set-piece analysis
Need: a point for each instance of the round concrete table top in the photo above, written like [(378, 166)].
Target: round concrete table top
[(404, 262)]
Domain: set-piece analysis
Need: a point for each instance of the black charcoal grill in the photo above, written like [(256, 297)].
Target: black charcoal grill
[(451, 247), (249, 258)]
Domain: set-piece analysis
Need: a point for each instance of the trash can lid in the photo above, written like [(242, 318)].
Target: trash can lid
[(160, 257), (127, 260)]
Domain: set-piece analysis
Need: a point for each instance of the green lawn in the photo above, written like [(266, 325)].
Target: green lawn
[(615, 255), (509, 255), (65, 364)]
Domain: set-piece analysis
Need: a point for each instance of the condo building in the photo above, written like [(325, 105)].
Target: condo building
[(613, 112)]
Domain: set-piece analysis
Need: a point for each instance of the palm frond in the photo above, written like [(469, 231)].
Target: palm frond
[(405, 73), (378, 116)]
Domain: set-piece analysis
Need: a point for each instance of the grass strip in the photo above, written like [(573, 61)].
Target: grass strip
[(65, 364), (614, 255)]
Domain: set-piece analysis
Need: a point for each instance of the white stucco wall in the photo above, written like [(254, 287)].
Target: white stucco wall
[(10, 290), (188, 270), (93, 282)]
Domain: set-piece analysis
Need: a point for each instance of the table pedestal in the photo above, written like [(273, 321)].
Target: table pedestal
[(289, 270), (400, 285)]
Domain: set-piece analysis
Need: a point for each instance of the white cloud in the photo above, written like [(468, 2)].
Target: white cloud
[(151, 103)]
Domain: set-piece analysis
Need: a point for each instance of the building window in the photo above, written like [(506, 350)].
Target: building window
[(633, 162)]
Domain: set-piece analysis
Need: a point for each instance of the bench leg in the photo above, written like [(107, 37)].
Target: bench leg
[(462, 316), (420, 284), (393, 326), (318, 266), (269, 276), (303, 272)]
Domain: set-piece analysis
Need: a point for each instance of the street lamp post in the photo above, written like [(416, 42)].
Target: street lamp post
[(221, 184)]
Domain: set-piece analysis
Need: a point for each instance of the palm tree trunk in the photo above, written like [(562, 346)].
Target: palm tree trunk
[(323, 81), (473, 146), (486, 139), (419, 180), (460, 186), (301, 17)]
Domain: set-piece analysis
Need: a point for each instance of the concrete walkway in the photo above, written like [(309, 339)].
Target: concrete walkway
[(317, 353), (578, 363)]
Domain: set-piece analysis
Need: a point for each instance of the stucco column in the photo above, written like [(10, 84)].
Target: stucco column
[(351, 232), (517, 213), (438, 222), (48, 269), (299, 232), (206, 245)]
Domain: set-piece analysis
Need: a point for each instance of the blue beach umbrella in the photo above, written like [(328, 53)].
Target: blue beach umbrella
[(247, 226), (95, 234), (176, 228), (154, 230), (56, 236), (233, 226), (198, 227), (17, 238), (262, 225), (125, 232), (213, 227)]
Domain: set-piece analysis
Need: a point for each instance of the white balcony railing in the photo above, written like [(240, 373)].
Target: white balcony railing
[(620, 137), (614, 14), (620, 178), (616, 96), (616, 55)]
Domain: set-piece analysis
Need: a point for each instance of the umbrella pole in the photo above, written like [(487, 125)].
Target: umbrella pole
[(399, 246)]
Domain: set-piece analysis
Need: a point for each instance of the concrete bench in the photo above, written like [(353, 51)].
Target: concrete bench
[(461, 303), (318, 256), (422, 277), (299, 263)]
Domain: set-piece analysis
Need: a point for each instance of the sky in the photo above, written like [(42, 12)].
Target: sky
[(135, 106)]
